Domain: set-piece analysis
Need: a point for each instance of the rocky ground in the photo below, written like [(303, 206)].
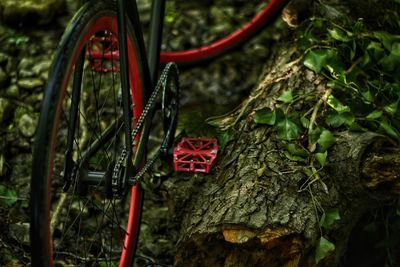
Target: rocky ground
[(29, 33)]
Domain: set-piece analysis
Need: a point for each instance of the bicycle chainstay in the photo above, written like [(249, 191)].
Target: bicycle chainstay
[(162, 84)]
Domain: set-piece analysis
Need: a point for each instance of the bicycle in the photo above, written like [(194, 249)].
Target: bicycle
[(90, 148)]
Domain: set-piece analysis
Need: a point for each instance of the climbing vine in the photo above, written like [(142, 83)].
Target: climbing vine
[(362, 73)]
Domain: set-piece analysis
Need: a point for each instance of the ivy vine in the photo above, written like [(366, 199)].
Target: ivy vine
[(362, 69)]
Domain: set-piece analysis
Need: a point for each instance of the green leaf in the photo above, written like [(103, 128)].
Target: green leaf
[(297, 150), (313, 136), (385, 38), (329, 217), (287, 129), (353, 50), (265, 116), (339, 34), (390, 62), (305, 122), (334, 84), (335, 66), (368, 97), (375, 50), (390, 130), (286, 97), (326, 140), (357, 127), (358, 26), (396, 49), (294, 157), (376, 114), (321, 157), (324, 249), (8, 196), (392, 108), (315, 59), (335, 103), (225, 137), (336, 119)]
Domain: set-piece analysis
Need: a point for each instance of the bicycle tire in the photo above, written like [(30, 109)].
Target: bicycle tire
[(229, 42), (74, 211)]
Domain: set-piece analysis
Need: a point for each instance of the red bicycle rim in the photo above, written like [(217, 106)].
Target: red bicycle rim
[(228, 42), (108, 23)]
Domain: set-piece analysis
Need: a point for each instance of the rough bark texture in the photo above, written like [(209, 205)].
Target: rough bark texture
[(258, 208)]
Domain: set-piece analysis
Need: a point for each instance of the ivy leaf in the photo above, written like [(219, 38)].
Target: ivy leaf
[(392, 108), (386, 39), (376, 114), (353, 50), (324, 249), (225, 137), (313, 136), (286, 97), (326, 140), (357, 127), (375, 50), (358, 26), (297, 150), (339, 34), (294, 157), (8, 196), (265, 116), (368, 97), (390, 62), (335, 66), (396, 49), (304, 122), (321, 157), (335, 103), (287, 129), (329, 217), (390, 130), (316, 59), (336, 119)]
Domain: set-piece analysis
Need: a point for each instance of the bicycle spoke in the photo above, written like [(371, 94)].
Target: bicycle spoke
[(88, 226)]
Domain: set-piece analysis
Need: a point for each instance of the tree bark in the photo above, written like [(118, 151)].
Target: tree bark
[(258, 208)]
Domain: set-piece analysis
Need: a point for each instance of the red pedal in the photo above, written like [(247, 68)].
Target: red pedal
[(195, 155)]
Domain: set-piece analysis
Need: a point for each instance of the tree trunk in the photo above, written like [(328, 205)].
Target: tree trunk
[(260, 208)]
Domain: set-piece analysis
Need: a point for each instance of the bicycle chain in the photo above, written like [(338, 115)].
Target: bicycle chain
[(115, 180)]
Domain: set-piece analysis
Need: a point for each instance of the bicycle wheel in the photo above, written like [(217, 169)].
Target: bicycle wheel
[(216, 26), (75, 221)]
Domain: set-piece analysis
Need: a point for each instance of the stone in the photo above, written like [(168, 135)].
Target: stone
[(41, 67), (12, 91), (30, 83), (3, 78), (3, 58), (6, 110), (26, 74), (27, 125), (26, 63), (20, 232), (28, 11)]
